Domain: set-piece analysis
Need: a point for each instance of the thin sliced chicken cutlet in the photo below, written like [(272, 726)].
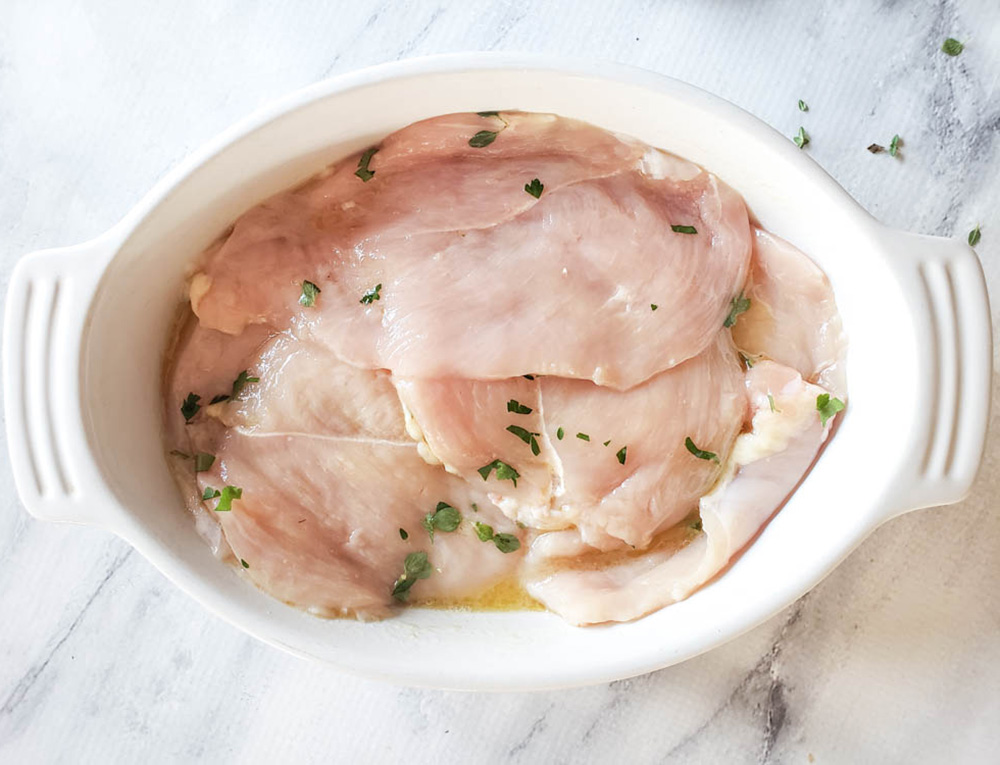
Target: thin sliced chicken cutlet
[(587, 587), (793, 316), (624, 493), (495, 283), (319, 518)]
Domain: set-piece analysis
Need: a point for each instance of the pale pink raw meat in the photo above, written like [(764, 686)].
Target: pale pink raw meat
[(793, 315), (574, 482), (766, 465), (492, 283), (318, 522)]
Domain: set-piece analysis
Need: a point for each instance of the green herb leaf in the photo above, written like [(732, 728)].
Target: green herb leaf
[(244, 563), (952, 47), (475, 507), (203, 462), (220, 398), (876, 148), (974, 236), (740, 304), (190, 406), (488, 114), (229, 493), (504, 472), (363, 172), (560, 433), (746, 360), (518, 408), (607, 442), (506, 543), (894, 145), (415, 567), (700, 453), (622, 454), (375, 293), (483, 138), (444, 517), (684, 229), (210, 493), (770, 401), (803, 106), (309, 293), (525, 435), (534, 188), (483, 531), (801, 138), (240, 382), (827, 407), (653, 306), (583, 436), (528, 377), (695, 525), (403, 534)]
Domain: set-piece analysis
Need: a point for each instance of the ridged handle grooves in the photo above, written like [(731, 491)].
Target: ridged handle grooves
[(950, 313), (48, 300)]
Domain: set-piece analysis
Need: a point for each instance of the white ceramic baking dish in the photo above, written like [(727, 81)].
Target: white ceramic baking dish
[(86, 328)]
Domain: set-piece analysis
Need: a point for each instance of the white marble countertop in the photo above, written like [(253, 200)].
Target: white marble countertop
[(894, 658)]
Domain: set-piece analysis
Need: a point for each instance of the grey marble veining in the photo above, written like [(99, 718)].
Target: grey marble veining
[(895, 657)]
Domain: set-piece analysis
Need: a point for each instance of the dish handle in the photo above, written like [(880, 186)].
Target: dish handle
[(950, 313), (48, 302)]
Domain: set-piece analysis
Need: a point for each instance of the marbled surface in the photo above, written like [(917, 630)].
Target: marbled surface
[(894, 658)]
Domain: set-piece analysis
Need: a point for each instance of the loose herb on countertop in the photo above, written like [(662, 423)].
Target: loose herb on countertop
[(894, 145), (803, 106), (801, 138), (952, 47), (974, 236)]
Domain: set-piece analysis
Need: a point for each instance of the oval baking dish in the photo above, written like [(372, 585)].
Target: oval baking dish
[(86, 329)]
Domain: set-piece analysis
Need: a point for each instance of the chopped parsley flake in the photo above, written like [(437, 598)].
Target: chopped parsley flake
[(653, 306), (240, 382), (607, 442), (244, 563), (801, 138), (210, 493), (220, 398), (803, 106), (684, 229), (583, 436), (560, 433), (483, 138), (894, 145), (363, 172), (443, 518), (415, 566), (506, 543), (528, 377), (475, 507), (827, 407), (309, 293), (740, 304), (695, 525), (488, 114), (229, 493), (203, 462), (504, 472), (484, 531), (534, 188), (974, 236), (375, 293), (746, 360), (403, 534), (527, 436), (517, 407), (622, 454), (699, 453), (952, 47), (190, 406), (770, 401)]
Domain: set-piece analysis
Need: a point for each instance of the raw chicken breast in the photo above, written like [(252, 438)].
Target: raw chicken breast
[(643, 481), (576, 270), (793, 316), (765, 466), (318, 523)]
